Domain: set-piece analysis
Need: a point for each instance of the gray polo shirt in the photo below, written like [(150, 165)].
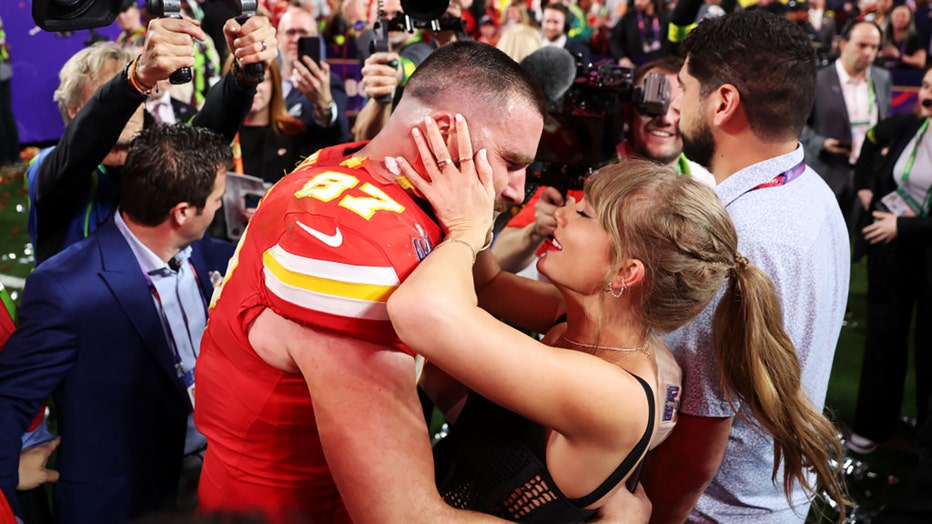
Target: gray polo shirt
[(796, 234)]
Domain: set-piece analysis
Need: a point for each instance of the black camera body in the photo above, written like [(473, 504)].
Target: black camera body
[(416, 14), (582, 135), (70, 15)]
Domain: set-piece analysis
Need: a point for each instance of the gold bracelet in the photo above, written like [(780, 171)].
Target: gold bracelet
[(489, 237), (461, 241)]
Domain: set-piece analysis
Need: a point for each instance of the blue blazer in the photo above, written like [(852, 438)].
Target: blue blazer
[(91, 337)]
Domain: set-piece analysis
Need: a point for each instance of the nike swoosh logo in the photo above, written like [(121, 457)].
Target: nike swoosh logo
[(334, 240)]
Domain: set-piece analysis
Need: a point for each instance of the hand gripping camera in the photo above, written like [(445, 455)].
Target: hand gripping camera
[(416, 14), (172, 9)]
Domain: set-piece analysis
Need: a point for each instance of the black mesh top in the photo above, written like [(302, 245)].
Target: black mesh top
[(494, 461)]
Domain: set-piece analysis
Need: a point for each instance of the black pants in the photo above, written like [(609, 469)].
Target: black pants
[(898, 280), (34, 506)]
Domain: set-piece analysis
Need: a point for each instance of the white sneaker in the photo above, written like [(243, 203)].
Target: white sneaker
[(859, 444)]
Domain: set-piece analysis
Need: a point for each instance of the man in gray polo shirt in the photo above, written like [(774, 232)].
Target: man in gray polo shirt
[(748, 85)]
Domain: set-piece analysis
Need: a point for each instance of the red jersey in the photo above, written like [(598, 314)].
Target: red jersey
[(6, 514), (326, 247)]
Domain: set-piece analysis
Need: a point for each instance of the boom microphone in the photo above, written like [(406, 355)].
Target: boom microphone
[(554, 69)]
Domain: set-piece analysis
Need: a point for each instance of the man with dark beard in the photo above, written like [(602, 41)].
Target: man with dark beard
[(748, 85)]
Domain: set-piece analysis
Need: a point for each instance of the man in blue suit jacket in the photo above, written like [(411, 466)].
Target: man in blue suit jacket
[(102, 337)]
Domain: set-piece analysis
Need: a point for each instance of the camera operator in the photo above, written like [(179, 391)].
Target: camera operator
[(384, 74), (654, 138), (73, 187)]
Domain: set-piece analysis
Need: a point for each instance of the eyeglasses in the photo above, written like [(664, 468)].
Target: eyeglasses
[(291, 33)]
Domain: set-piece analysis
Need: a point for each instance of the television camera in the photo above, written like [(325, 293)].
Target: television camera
[(69, 15), (581, 134), (416, 14)]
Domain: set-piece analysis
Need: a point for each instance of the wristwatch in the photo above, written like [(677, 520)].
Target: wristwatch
[(327, 112)]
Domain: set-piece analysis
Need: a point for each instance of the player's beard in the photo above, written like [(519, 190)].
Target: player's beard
[(500, 207)]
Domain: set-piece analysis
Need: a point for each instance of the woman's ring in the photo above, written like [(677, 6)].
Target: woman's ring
[(264, 45), (443, 163), (467, 159)]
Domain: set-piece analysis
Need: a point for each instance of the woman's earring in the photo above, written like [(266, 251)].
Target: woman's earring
[(619, 293)]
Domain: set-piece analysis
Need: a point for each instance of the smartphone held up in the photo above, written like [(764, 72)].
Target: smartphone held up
[(312, 46)]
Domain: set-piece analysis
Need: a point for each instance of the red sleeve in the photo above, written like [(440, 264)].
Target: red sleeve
[(526, 215), (334, 245), (6, 514)]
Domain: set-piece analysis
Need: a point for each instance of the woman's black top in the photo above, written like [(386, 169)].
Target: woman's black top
[(494, 461)]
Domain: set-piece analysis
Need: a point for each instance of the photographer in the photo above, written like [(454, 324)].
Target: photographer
[(384, 74), (311, 93), (73, 187), (654, 138)]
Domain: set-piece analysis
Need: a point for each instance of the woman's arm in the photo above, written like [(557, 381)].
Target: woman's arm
[(522, 302), (878, 139), (435, 311), (914, 54)]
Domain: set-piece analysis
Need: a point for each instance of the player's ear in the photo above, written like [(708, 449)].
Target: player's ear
[(444, 122)]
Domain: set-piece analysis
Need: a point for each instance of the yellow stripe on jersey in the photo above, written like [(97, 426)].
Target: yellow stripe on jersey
[(331, 304), (309, 161), (374, 275), (326, 286)]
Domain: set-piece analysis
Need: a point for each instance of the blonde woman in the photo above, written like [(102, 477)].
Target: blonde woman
[(640, 255)]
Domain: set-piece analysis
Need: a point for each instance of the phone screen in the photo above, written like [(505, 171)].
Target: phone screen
[(312, 46), (251, 200)]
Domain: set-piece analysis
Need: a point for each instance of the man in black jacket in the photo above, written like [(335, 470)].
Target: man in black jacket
[(73, 187)]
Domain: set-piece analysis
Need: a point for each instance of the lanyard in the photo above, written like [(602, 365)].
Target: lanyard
[(871, 102), (654, 44), (784, 178), (909, 169), (8, 305), (166, 326), (682, 166)]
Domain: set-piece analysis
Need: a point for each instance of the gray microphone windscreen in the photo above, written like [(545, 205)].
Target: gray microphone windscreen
[(554, 68)]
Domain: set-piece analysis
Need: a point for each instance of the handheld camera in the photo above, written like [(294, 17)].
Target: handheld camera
[(583, 134), (172, 9), (416, 14)]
